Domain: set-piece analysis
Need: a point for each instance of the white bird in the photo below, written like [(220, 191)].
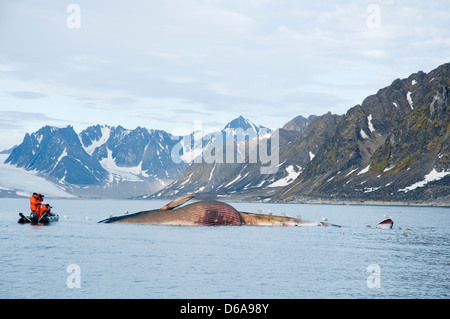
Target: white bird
[(66, 217), (88, 218), (110, 215), (125, 212), (324, 219), (387, 216), (260, 211)]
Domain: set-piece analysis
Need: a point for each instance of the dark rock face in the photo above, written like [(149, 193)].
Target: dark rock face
[(392, 147), (384, 148)]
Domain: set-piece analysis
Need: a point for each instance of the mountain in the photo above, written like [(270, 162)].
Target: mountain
[(299, 123), (243, 176), (114, 162), (139, 151), (101, 161), (392, 147), (58, 155)]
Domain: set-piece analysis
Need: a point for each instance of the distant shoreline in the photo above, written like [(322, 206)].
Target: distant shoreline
[(246, 199)]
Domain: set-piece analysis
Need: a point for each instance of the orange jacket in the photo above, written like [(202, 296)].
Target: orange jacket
[(35, 204)]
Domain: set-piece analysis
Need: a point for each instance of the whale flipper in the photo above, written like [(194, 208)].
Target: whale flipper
[(177, 202)]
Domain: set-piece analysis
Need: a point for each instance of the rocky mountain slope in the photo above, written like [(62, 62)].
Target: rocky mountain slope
[(295, 151), (394, 146)]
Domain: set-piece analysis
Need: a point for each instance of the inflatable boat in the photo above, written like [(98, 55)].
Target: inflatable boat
[(34, 220)]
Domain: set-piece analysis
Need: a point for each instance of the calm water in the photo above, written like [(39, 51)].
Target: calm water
[(145, 261)]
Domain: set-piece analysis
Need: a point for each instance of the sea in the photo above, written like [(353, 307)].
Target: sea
[(78, 258)]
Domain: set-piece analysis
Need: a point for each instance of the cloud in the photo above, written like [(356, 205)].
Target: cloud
[(90, 59), (215, 59), (18, 119), (121, 100), (27, 95), (7, 68)]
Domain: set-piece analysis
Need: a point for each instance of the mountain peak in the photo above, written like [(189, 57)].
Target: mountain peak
[(244, 124)]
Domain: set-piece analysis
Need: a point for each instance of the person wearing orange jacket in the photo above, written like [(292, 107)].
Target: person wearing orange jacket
[(46, 210), (35, 204)]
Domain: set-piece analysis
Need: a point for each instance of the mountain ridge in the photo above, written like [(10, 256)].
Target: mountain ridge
[(392, 147)]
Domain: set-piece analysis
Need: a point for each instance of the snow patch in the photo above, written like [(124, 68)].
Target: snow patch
[(25, 183), (371, 189), (430, 177), (408, 97), (64, 154), (106, 131), (292, 175), (351, 172), (395, 104), (364, 170), (363, 134), (123, 173), (369, 122), (236, 179), (212, 172)]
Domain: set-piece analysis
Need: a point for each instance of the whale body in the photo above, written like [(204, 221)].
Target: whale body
[(207, 213)]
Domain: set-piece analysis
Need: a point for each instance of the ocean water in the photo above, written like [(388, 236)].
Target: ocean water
[(79, 258)]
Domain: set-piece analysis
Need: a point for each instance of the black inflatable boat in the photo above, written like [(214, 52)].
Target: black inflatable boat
[(34, 220)]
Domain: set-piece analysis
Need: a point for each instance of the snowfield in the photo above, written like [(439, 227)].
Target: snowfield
[(25, 183)]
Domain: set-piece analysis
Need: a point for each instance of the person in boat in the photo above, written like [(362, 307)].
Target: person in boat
[(35, 204), (46, 210)]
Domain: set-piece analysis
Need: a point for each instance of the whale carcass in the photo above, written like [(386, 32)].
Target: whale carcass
[(207, 213)]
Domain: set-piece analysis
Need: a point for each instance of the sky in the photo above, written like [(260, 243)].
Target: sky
[(166, 64)]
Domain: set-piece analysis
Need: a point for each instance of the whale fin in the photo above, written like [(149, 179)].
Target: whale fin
[(177, 202), (386, 224)]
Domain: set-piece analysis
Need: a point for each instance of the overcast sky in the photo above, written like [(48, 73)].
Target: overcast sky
[(165, 64)]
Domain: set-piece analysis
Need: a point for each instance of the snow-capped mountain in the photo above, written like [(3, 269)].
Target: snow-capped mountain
[(244, 177), (101, 161), (107, 161), (242, 129), (195, 148), (57, 154), (141, 152), (393, 147)]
